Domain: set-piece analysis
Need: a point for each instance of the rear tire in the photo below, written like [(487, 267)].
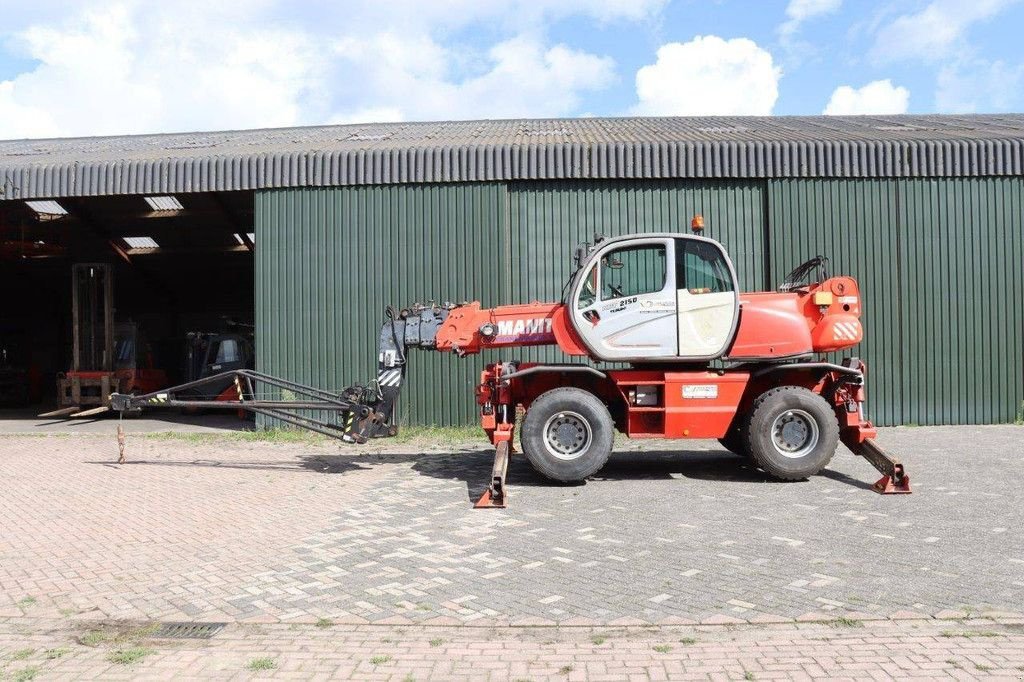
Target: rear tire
[(792, 433), (567, 434)]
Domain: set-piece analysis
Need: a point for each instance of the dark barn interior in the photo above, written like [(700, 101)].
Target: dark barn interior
[(180, 264)]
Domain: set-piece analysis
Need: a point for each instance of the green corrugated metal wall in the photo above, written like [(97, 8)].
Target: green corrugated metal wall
[(939, 262), (961, 286), (330, 260)]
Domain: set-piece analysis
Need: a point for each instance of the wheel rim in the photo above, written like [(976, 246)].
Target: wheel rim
[(795, 433), (567, 435)]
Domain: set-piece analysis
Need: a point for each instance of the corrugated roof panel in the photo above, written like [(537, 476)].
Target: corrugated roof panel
[(543, 149)]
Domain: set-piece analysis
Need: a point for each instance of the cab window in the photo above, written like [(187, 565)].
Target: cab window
[(632, 271), (701, 268), (588, 294), (228, 351)]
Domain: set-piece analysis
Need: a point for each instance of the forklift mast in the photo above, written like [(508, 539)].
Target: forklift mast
[(92, 317)]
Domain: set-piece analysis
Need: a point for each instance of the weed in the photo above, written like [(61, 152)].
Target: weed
[(444, 436), (439, 435), (662, 648), (68, 612), (844, 622), (130, 655), (749, 676), (423, 607), (380, 660), (261, 663), (969, 634), (565, 669), (437, 641), (409, 678), (22, 654), (93, 638), (51, 654), (954, 663), (688, 640), (26, 674), (256, 436), (27, 601), (597, 640), (982, 668), (323, 623)]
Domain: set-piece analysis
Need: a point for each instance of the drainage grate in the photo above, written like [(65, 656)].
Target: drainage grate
[(188, 630)]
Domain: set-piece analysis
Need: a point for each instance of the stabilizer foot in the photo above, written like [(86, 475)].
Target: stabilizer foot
[(897, 484), (895, 481)]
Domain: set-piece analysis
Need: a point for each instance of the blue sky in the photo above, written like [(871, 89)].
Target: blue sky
[(126, 66)]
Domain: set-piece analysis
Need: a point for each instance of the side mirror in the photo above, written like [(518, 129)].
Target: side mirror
[(581, 253)]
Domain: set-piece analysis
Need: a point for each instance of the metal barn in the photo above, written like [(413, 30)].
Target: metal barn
[(311, 232)]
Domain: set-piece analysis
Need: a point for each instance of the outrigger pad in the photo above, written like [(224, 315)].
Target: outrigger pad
[(488, 501), (886, 486)]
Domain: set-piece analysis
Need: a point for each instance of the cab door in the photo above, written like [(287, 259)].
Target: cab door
[(625, 308), (707, 302)]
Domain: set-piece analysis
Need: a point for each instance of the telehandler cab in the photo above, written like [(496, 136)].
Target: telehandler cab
[(704, 361)]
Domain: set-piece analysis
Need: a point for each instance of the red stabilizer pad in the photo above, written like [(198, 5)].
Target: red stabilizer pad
[(487, 501), (885, 486)]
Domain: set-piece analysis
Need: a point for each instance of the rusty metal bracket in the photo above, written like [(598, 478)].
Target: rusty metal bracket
[(496, 495)]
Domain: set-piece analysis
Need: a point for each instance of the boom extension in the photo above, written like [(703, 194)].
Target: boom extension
[(350, 407)]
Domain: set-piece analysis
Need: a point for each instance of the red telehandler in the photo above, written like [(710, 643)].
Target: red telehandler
[(703, 361)]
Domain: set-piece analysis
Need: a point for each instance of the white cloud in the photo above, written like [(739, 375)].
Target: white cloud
[(119, 70), (799, 11), (517, 77), (877, 97), (707, 76), (969, 86), (935, 31), (130, 66)]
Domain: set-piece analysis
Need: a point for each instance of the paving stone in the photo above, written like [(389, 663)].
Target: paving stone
[(263, 532)]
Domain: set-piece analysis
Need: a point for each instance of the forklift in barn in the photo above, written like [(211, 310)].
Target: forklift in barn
[(106, 357), (703, 360), (217, 353)]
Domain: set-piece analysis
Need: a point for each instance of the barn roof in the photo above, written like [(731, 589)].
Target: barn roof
[(522, 149)]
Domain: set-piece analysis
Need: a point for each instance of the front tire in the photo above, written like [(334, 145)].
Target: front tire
[(567, 434), (792, 433)]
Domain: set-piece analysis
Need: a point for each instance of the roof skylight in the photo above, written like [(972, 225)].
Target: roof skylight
[(141, 242), (165, 203), (47, 207)]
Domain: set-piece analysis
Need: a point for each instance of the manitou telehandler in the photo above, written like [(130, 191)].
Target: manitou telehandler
[(704, 361)]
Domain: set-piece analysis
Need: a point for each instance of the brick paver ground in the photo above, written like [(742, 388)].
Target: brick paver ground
[(281, 535), (873, 650)]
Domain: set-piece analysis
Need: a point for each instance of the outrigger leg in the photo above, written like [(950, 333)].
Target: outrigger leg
[(894, 480), (496, 495)]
